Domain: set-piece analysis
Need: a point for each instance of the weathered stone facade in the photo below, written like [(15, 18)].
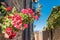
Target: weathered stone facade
[(56, 33), (54, 24)]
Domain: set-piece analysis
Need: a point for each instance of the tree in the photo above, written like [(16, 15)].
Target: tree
[(53, 20)]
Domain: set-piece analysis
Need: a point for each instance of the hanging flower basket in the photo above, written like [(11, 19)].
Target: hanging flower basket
[(11, 21)]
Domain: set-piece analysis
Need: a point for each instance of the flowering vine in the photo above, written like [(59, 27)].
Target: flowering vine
[(11, 21)]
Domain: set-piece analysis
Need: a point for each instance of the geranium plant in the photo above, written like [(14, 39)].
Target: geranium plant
[(11, 21)]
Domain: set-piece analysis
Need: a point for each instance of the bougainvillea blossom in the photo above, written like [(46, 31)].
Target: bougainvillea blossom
[(36, 17), (25, 25), (17, 21), (12, 35), (8, 8), (30, 11), (9, 16), (25, 11), (8, 31), (17, 26)]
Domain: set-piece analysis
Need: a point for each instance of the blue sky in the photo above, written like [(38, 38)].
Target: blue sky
[(47, 6)]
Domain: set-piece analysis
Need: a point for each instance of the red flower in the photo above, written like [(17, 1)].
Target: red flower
[(25, 11), (36, 17), (17, 21), (17, 17), (8, 31), (25, 25), (9, 16), (8, 8), (18, 26), (30, 11), (12, 35)]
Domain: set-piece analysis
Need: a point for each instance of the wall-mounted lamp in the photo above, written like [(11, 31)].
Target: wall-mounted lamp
[(35, 0)]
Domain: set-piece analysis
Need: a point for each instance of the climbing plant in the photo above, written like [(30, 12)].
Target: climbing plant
[(12, 21), (54, 18)]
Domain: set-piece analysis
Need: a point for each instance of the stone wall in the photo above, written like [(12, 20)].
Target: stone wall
[(45, 35), (49, 35), (56, 34), (41, 35)]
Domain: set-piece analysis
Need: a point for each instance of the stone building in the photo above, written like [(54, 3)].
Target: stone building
[(52, 31), (41, 35), (36, 35), (54, 24)]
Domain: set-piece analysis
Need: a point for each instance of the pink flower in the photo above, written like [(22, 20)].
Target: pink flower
[(17, 17), (17, 21), (30, 11), (36, 17), (8, 8), (25, 25), (18, 26), (8, 30), (9, 33), (25, 11)]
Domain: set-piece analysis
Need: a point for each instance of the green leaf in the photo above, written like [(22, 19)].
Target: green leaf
[(3, 7), (14, 10)]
